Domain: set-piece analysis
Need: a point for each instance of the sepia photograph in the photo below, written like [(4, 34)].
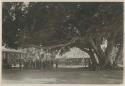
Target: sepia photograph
[(62, 42)]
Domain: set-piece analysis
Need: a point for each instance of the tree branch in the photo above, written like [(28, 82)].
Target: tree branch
[(64, 45)]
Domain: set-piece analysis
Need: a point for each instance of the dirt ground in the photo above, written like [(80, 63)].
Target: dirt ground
[(61, 76)]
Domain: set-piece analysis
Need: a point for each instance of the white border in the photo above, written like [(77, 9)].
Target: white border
[(54, 1), (62, 0)]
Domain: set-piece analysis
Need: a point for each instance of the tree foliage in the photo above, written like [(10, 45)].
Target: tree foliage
[(57, 24)]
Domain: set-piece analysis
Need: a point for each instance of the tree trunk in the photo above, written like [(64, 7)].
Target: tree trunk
[(100, 54), (107, 63), (118, 57), (93, 59)]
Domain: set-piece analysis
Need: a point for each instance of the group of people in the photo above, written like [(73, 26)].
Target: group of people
[(30, 64)]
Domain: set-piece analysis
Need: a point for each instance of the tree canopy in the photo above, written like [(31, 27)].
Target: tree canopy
[(65, 24), (55, 23)]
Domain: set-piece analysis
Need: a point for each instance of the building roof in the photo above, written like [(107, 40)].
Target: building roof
[(4, 49), (73, 53)]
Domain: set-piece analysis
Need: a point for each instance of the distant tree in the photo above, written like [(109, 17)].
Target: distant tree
[(12, 23)]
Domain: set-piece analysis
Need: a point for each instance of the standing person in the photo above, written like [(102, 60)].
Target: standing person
[(25, 64), (44, 65), (20, 64), (31, 64), (40, 64), (56, 64), (51, 63), (35, 64), (89, 63)]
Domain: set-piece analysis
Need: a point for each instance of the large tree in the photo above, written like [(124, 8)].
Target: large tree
[(62, 25)]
